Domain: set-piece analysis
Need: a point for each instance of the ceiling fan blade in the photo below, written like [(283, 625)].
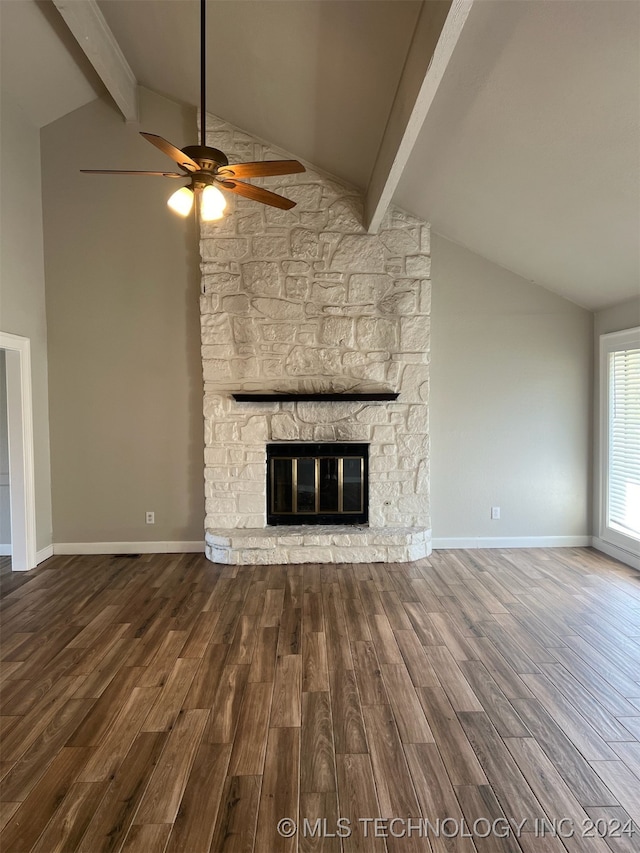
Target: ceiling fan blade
[(262, 169), (258, 194), (183, 160), (126, 172)]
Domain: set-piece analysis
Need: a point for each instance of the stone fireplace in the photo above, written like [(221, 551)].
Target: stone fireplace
[(306, 302)]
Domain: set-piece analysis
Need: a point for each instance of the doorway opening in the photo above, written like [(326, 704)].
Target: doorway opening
[(17, 353)]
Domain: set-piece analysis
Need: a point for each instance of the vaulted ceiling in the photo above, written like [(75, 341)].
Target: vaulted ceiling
[(527, 152)]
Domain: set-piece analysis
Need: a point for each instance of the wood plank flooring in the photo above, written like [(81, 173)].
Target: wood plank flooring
[(472, 702)]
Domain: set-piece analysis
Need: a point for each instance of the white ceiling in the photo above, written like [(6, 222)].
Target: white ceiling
[(530, 153), (316, 77)]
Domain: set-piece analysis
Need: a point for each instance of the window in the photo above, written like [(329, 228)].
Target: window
[(620, 439)]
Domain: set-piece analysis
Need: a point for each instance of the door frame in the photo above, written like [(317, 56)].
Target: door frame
[(21, 454)]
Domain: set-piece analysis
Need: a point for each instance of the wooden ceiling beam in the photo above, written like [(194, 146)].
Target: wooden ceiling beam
[(439, 26), (90, 29)]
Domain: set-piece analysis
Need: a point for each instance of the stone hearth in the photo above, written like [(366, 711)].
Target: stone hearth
[(306, 301), (317, 544)]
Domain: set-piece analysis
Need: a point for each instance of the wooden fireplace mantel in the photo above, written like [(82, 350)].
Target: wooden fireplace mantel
[(328, 397)]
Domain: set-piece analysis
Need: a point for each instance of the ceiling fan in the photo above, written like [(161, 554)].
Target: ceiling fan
[(208, 168)]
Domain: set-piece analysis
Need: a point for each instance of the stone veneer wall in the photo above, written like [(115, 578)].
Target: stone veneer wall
[(306, 300)]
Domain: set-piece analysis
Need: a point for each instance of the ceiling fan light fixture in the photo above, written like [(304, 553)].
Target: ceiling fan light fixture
[(212, 204), (181, 201)]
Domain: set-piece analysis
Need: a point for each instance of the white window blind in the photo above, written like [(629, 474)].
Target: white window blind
[(624, 442)]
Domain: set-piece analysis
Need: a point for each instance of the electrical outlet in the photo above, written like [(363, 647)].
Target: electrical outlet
[(150, 518), (495, 513)]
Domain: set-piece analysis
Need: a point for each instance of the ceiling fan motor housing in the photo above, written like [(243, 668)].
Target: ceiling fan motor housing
[(209, 159)]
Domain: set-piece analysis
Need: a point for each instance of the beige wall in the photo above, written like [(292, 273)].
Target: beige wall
[(511, 362), (22, 295), (124, 338), (510, 403)]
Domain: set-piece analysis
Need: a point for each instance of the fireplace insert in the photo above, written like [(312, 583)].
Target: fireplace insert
[(324, 483)]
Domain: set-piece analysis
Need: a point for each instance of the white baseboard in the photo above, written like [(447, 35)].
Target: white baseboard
[(128, 547), (70, 548), (512, 542), (5, 550), (44, 554), (617, 553)]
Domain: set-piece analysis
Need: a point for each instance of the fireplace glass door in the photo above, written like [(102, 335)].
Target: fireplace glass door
[(317, 483)]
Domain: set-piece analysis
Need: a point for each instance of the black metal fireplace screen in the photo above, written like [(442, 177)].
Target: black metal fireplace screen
[(317, 483)]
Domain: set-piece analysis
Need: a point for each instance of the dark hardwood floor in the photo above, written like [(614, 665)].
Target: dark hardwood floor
[(163, 704)]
